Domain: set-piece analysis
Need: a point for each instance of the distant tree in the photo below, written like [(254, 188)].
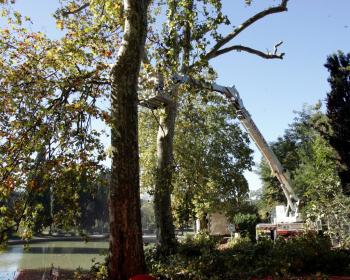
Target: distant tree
[(147, 215), (322, 196), (42, 197), (338, 112), (293, 149), (290, 149), (211, 153), (285, 149), (313, 173), (93, 201)]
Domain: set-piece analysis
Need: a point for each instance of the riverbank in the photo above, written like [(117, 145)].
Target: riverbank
[(149, 238)]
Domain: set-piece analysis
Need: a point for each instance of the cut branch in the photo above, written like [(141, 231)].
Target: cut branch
[(276, 47), (239, 48), (278, 9)]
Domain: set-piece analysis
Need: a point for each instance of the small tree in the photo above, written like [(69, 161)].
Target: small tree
[(338, 112)]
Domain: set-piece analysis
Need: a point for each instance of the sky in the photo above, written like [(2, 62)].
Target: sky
[(272, 90)]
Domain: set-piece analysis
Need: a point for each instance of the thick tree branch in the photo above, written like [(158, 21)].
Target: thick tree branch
[(77, 10), (278, 9), (239, 48)]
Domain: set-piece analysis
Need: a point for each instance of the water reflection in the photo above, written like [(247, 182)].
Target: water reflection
[(62, 254), (61, 250)]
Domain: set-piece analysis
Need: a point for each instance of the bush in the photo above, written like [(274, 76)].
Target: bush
[(200, 258)]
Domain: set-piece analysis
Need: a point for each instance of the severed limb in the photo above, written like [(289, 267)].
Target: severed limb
[(215, 51), (266, 55)]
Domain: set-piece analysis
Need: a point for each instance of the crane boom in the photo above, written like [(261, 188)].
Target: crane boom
[(276, 167)]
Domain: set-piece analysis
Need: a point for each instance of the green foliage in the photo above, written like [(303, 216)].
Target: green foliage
[(242, 259), (49, 97), (210, 161), (98, 271), (317, 180), (186, 36), (210, 155), (193, 246), (338, 113), (245, 219), (312, 164), (147, 215), (323, 197), (291, 149)]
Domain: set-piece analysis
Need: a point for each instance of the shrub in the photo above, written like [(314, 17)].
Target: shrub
[(199, 258)]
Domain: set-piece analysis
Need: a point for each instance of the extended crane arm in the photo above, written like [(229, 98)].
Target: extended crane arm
[(232, 95)]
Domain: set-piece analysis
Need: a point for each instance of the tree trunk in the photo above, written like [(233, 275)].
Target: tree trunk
[(203, 223), (126, 256), (162, 194), (165, 139)]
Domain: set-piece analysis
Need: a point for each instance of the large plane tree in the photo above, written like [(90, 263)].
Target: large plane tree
[(51, 92), (185, 46)]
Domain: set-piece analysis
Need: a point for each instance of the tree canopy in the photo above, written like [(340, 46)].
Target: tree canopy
[(211, 153), (338, 113), (48, 102)]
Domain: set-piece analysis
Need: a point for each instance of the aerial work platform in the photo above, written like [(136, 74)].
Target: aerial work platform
[(155, 102)]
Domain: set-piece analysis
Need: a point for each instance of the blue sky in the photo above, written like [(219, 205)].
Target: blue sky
[(271, 89)]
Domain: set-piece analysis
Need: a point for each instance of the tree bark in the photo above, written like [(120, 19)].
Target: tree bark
[(162, 194), (126, 256)]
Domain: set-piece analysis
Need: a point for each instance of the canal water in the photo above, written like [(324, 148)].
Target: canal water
[(60, 254)]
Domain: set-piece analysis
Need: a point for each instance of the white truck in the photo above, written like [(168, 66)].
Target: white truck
[(285, 220)]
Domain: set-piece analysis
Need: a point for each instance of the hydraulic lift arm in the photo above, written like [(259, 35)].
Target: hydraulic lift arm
[(277, 169)]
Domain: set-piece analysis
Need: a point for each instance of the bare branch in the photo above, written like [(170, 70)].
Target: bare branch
[(239, 48), (77, 10), (276, 47), (278, 9)]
